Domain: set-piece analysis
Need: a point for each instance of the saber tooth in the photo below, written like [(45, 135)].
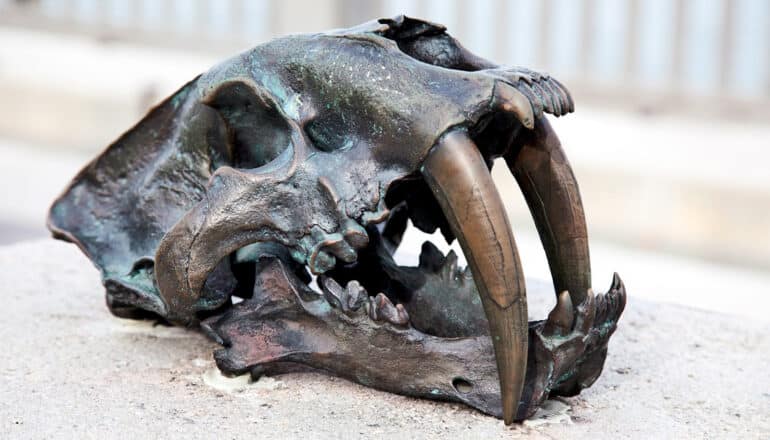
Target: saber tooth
[(460, 180), (551, 191)]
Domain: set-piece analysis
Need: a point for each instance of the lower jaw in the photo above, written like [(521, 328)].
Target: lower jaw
[(287, 327)]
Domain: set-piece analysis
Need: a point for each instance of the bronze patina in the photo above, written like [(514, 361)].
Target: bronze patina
[(310, 154)]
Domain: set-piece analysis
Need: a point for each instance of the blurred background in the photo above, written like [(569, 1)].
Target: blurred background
[(670, 141)]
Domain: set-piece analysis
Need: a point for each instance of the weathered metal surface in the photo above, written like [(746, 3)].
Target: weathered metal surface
[(311, 153)]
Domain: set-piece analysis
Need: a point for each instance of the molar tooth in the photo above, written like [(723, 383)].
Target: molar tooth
[(355, 234), (301, 252), (379, 215), (332, 291), (386, 311), (449, 267), (356, 295), (431, 258), (318, 234), (335, 244), (375, 217), (371, 308), (402, 316), (321, 261)]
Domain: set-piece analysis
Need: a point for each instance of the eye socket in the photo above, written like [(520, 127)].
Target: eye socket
[(257, 131), (329, 133)]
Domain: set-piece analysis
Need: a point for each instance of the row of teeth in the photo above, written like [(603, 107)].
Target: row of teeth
[(354, 296), (446, 266)]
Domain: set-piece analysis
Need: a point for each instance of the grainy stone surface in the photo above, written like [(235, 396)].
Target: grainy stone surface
[(68, 369)]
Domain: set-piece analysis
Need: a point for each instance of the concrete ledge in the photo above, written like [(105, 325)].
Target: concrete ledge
[(68, 369)]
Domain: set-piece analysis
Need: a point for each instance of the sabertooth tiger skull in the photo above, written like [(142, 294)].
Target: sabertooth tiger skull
[(310, 154)]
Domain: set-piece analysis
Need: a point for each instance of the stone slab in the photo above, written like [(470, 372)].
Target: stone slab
[(68, 369)]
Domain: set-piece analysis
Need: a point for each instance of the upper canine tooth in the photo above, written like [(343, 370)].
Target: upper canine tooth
[(459, 178), (509, 99)]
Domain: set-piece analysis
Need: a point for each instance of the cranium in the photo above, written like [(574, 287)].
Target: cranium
[(309, 154)]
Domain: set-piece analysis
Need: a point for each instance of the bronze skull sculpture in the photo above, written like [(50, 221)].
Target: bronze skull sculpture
[(309, 155)]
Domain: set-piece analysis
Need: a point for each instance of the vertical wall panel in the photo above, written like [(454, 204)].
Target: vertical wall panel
[(701, 55), (446, 12), (563, 32), (219, 19), (749, 73), (522, 32), (609, 39), (656, 40), (480, 28), (256, 16)]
